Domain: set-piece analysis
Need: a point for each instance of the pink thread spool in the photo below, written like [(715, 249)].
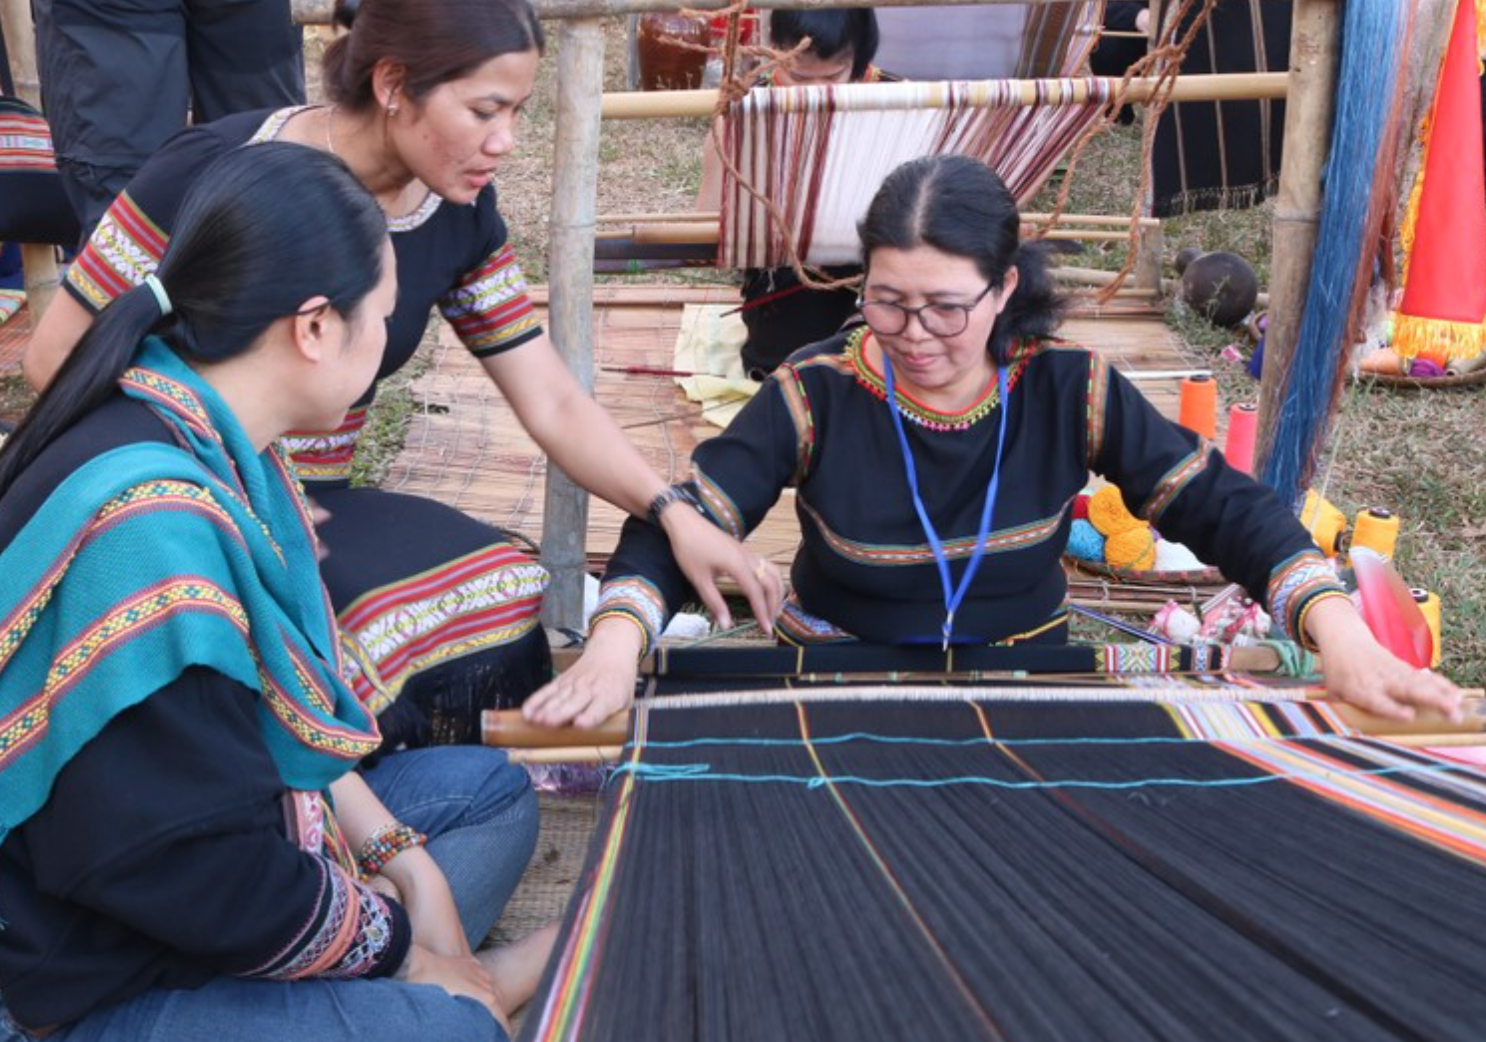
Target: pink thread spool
[(1243, 428)]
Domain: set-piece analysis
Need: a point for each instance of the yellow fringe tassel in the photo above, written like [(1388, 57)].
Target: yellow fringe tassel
[(1437, 339)]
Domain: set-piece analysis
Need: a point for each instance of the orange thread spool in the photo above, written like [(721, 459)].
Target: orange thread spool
[(1429, 607), (1199, 410), (1376, 529), (1243, 428)]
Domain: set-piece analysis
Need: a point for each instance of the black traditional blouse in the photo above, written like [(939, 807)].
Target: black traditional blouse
[(821, 425)]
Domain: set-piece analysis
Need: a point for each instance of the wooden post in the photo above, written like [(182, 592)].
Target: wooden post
[(39, 259), (575, 178), (1314, 54)]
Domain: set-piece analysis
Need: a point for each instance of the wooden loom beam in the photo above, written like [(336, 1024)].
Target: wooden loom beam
[(320, 12), (1315, 51), (1238, 86), (580, 78)]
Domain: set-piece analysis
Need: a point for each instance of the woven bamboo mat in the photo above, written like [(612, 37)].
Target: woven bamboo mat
[(15, 332), (465, 447)]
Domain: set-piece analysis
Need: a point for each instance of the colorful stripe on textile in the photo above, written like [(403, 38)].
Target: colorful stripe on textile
[(1318, 769), (1294, 586), (489, 309), (326, 455), (125, 247), (479, 601), (25, 143), (637, 599)]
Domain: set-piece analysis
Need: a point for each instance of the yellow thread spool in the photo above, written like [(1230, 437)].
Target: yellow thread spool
[(1326, 524), (1429, 606), (1376, 529)]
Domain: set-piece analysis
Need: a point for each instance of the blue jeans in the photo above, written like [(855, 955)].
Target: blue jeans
[(228, 1009), (480, 814)]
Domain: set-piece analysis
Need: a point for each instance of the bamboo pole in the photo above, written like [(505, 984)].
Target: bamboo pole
[(38, 259), (319, 12), (1236, 86), (580, 81), (713, 216), (692, 233), (1315, 41)]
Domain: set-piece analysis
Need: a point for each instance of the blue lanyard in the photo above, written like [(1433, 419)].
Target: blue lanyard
[(953, 595)]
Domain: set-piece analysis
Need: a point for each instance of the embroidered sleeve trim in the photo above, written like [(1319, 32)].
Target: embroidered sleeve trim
[(124, 248), (639, 601), (1170, 486), (1296, 584), (489, 309), (797, 401), (719, 505), (1098, 404), (353, 932)]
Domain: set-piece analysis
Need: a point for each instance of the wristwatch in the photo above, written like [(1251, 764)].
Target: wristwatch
[(673, 494)]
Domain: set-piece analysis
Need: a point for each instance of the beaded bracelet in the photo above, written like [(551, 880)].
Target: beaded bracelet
[(385, 844)]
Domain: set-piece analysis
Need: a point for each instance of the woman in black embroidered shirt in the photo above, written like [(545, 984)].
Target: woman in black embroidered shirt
[(935, 454)]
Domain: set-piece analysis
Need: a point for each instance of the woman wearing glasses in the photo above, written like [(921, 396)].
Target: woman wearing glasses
[(936, 452)]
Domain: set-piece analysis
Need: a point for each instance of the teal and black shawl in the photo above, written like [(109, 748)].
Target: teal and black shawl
[(152, 559)]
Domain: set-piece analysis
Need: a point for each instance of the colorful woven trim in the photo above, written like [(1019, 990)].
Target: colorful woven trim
[(912, 409), (720, 506), (325, 455), (479, 601), (125, 247), (25, 143), (1294, 585), (489, 309), (1003, 541), (1172, 482), (797, 626), (1096, 409), (636, 599)]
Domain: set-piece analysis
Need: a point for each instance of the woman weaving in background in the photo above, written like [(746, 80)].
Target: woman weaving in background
[(175, 713), (935, 454), (779, 312)]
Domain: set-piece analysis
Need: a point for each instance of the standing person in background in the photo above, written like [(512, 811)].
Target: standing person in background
[(118, 79)]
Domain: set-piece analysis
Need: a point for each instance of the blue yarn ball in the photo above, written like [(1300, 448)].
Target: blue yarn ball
[(1085, 542)]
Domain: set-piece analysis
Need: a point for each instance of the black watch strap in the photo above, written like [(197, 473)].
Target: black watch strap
[(673, 494)]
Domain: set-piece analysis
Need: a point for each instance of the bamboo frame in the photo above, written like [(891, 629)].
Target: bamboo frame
[(528, 743), (1212, 87), (580, 77), (1315, 42)]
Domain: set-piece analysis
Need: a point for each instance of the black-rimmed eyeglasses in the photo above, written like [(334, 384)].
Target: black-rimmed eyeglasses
[(888, 319)]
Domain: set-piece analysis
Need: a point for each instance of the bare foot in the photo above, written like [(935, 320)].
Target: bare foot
[(516, 969)]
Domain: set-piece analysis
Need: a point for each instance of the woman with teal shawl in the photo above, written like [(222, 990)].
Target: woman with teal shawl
[(176, 718)]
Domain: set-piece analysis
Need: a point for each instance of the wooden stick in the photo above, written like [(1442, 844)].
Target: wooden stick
[(1314, 55), (1235, 86), (567, 754), (507, 727), (1473, 721), (712, 217), (320, 12), (688, 233), (1444, 741), (580, 75)]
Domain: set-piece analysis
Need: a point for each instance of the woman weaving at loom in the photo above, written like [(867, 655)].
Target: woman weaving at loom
[(935, 454), (174, 698), (780, 312), (427, 96)]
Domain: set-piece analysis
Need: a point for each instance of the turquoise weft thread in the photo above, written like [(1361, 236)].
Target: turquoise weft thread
[(659, 772)]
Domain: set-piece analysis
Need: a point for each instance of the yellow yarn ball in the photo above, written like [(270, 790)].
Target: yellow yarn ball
[(1107, 512), (1133, 548)]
